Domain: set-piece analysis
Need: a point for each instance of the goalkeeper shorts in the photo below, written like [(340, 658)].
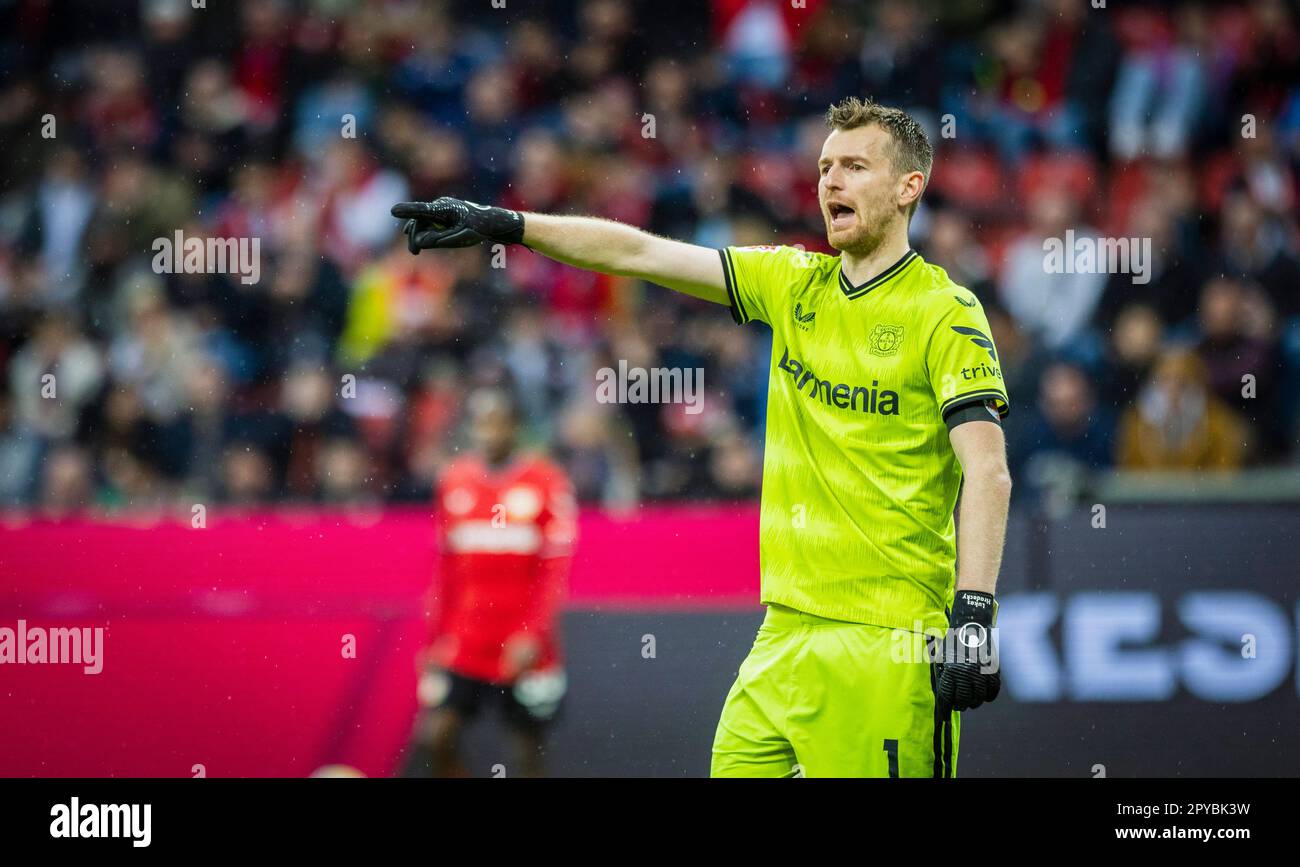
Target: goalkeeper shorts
[(828, 698)]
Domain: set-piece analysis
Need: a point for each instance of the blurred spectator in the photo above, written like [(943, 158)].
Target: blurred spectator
[(1263, 249), (1136, 341), (608, 43), (1066, 423), (262, 59), (426, 441), (212, 126), (1239, 349), (52, 378), (154, 356), (897, 57), (18, 459), (602, 463), (1053, 305), (354, 195), (1161, 87), (952, 245), (60, 212), (756, 37), (308, 400), (200, 430), (398, 300), (1269, 64), (1179, 424), (1044, 79), (735, 468), (67, 483), (1177, 267), (119, 110), (129, 446), (246, 475), (342, 472), (307, 304)]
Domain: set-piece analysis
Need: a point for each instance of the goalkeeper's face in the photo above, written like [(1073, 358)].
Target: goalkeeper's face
[(860, 189)]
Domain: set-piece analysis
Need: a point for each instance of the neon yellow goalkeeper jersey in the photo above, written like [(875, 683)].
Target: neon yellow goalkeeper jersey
[(859, 478)]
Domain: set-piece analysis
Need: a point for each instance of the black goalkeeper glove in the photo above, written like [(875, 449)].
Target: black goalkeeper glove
[(448, 222), (969, 674)]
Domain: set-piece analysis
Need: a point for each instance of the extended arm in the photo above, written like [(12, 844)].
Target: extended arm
[(585, 242), (617, 248)]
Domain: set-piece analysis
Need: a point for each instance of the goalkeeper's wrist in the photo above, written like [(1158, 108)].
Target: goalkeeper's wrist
[(507, 226), (974, 606)]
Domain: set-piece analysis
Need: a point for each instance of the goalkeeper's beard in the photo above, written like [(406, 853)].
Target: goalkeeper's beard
[(871, 231)]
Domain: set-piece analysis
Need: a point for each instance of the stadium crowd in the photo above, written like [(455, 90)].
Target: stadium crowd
[(339, 375)]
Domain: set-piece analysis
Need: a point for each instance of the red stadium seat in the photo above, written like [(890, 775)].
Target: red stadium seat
[(1138, 29), (971, 179), (1127, 184), (1215, 175), (1077, 173)]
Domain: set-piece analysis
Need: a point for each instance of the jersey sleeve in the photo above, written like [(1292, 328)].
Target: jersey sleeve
[(758, 278), (559, 520), (445, 593), (559, 526), (963, 363)]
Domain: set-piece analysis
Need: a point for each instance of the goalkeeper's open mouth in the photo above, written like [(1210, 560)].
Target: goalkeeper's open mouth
[(841, 216)]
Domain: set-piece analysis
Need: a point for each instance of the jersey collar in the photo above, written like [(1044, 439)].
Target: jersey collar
[(851, 291)]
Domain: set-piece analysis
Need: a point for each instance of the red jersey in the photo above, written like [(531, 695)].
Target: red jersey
[(506, 541)]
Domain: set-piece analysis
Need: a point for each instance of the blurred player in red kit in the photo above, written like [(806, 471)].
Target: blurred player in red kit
[(507, 524)]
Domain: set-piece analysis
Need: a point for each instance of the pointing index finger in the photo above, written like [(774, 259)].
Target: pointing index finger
[(410, 210)]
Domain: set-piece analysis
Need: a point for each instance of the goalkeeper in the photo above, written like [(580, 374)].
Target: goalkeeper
[(885, 398)]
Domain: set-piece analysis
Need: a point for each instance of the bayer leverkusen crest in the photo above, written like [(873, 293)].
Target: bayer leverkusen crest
[(885, 339)]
